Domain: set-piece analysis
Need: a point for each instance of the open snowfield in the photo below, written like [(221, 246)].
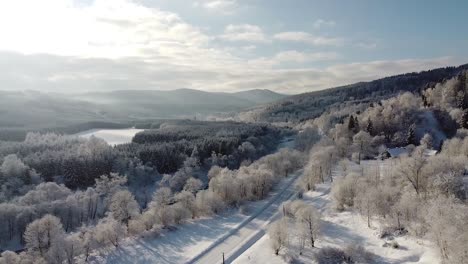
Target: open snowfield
[(340, 229), (111, 136)]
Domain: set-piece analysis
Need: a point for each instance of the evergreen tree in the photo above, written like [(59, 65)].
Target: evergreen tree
[(464, 121), (356, 124), (424, 99), (370, 127), (351, 123), (411, 137)]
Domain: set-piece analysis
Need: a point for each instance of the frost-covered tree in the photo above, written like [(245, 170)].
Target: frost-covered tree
[(310, 219), (162, 197), (411, 169), (9, 257), (123, 206), (193, 185), (87, 235), (427, 141), (447, 220), (365, 202), (278, 233), (42, 233), (344, 190), (307, 138), (208, 202), (65, 250), (108, 230), (106, 186), (187, 199), (362, 143)]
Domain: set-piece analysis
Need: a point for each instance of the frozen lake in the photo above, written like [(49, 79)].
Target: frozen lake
[(111, 136)]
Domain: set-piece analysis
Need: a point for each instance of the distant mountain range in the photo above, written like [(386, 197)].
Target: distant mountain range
[(33, 109)]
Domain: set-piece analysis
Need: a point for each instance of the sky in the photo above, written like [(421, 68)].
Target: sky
[(289, 46)]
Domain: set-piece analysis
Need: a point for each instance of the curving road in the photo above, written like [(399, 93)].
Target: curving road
[(238, 240)]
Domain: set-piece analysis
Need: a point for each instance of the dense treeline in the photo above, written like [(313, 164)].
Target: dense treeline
[(219, 143), (311, 105), (78, 162)]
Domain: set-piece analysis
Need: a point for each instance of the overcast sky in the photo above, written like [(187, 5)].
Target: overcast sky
[(223, 45)]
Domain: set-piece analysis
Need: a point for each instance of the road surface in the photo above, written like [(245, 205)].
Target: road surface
[(238, 240)]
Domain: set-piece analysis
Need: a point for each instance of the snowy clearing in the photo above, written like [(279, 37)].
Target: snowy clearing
[(340, 229), (111, 136)]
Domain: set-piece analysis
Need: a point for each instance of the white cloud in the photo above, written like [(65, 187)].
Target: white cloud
[(119, 44), (57, 73), (245, 33), (224, 6), (367, 45), (294, 56), (321, 23), (105, 28), (299, 36)]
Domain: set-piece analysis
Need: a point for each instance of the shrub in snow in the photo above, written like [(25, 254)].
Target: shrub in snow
[(330, 255), (352, 254), (394, 244), (358, 254), (392, 231), (243, 209)]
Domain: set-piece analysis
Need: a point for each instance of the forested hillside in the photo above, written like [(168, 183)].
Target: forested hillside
[(301, 107), (421, 191)]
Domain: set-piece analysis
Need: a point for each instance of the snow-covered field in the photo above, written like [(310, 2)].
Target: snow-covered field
[(111, 136), (340, 229)]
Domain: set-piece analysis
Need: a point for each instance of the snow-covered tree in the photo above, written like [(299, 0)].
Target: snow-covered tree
[(187, 199), (310, 219), (278, 233), (108, 230), (344, 190), (42, 233), (9, 257), (447, 220), (208, 202), (365, 201), (362, 144), (411, 169), (427, 141), (123, 206), (193, 185)]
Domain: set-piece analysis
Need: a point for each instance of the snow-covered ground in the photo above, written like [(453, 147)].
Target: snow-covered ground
[(347, 228), (203, 240), (111, 136)]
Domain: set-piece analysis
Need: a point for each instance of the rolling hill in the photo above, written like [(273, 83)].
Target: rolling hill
[(310, 105)]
